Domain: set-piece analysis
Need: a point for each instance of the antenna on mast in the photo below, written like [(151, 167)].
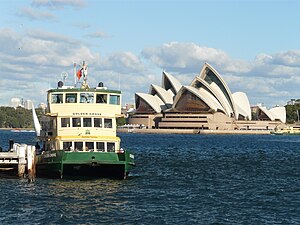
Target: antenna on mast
[(75, 72)]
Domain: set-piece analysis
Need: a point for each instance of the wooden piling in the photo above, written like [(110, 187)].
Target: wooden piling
[(31, 163), (21, 154)]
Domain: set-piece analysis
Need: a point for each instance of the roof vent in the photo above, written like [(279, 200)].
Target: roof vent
[(60, 84)]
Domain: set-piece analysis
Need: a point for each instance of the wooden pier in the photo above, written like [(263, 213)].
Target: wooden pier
[(19, 161)]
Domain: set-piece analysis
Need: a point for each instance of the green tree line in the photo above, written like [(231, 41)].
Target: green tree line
[(17, 118)]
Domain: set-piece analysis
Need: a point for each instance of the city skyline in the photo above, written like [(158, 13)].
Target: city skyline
[(128, 44)]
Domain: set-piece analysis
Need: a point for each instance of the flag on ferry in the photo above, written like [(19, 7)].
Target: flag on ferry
[(79, 74)]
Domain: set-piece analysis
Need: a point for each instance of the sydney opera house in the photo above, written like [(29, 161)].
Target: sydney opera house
[(207, 103)]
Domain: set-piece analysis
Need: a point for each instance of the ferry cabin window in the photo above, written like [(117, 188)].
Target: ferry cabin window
[(86, 97), (71, 98), (110, 146), (87, 122), (57, 98), (89, 146), (97, 122), (76, 122), (67, 146), (65, 122), (107, 123), (101, 98), (100, 146), (78, 146), (114, 99)]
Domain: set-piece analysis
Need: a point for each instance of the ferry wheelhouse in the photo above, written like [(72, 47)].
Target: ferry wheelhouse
[(78, 133)]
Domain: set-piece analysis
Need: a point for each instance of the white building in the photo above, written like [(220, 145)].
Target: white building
[(28, 104), (15, 102)]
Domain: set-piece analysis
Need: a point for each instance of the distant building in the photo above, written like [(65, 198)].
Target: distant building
[(15, 102), (42, 105), (127, 109), (128, 106), (28, 104), (207, 103), (294, 102)]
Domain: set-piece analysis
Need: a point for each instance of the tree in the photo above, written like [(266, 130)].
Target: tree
[(292, 113), (17, 118), (121, 121)]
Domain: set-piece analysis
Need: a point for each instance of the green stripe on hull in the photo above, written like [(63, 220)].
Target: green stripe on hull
[(88, 164)]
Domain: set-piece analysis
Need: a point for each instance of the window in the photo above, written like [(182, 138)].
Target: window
[(110, 146), (57, 98), (76, 122), (100, 146), (107, 123), (67, 146), (86, 98), (89, 146), (65, 122), (78, 146), (97, 122), (101, 98), (71, 98), (87, 122), (114, 99)]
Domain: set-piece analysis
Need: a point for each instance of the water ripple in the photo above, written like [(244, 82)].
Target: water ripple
[(179, 179)]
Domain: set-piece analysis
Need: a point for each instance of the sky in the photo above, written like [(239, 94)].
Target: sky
[(254, 45)]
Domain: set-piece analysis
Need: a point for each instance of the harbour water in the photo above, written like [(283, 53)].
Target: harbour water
[(179, 179)]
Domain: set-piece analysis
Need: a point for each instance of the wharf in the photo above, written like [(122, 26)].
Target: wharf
[(190, 131), (18, 162)]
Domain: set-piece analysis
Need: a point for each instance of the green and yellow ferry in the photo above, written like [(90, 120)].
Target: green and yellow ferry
[(78, 132), (287, 131)]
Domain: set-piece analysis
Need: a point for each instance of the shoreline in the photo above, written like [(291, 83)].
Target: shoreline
[(191, 131), (16, 128), (174, 131)]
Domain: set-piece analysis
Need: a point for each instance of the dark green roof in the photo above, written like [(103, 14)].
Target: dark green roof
[(84, 90)]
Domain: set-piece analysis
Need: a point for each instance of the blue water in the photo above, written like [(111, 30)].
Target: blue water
[(179, 179)]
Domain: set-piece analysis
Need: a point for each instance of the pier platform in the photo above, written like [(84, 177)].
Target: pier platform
[(19, 161)]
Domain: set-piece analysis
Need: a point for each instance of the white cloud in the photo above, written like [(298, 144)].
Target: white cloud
[(81, 25), (32, 14), (289, 58), (189, 57), (273, 78), (32, 57), (98, 34), (58, 4), (123, 62), (39, 57), (35, 58), (49, 36)]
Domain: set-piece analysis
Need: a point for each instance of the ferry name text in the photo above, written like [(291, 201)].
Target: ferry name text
[(86, 114)]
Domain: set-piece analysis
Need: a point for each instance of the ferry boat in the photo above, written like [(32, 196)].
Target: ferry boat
[(78, 132), (287, 131)]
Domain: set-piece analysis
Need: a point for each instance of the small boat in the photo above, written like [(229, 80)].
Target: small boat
[(22, 130), (78, 132), (287, 131)]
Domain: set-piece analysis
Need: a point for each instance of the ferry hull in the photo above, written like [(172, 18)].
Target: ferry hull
[(64, 164)]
